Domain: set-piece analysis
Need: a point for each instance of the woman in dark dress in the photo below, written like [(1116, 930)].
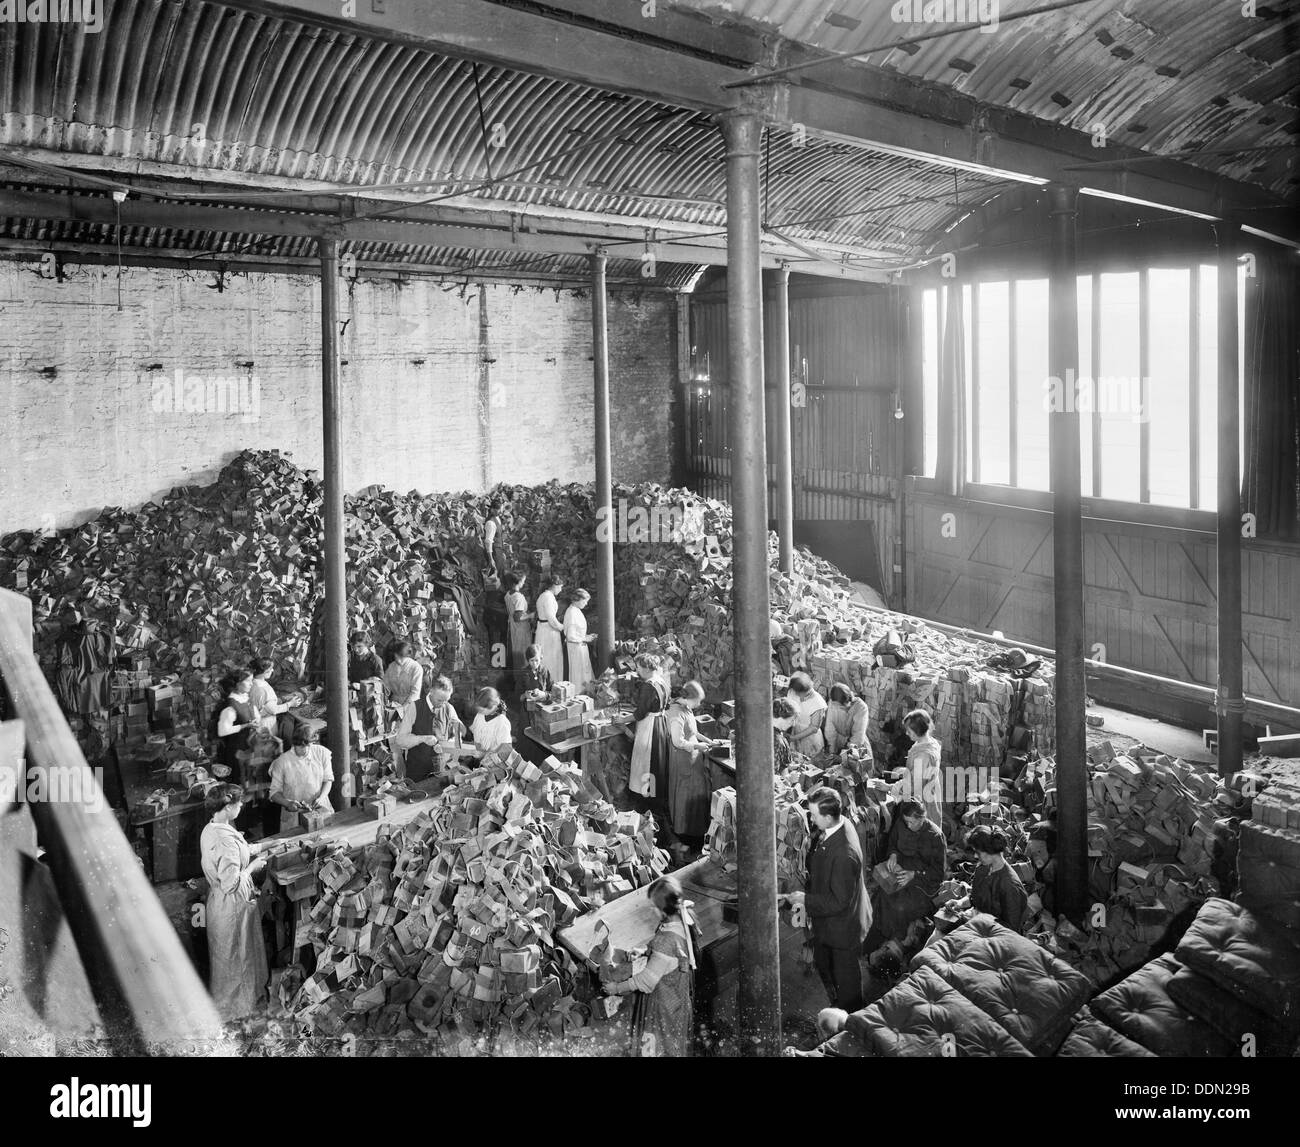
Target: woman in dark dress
[(648, 773), (783, 716), (914, 869), (996, 889), (234, 722), (689, 789), (535, 678)]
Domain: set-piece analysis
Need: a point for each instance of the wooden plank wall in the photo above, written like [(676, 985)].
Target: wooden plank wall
[(847, 444), (1149, 590)]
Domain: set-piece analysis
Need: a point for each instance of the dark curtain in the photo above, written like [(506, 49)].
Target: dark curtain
[(950, 468), (1271, 485)]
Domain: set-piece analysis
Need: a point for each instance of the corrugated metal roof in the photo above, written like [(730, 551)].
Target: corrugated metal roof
[(1190, 73), (225, 95)]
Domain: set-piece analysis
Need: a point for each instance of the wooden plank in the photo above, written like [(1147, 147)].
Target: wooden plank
[(1284, 745), (144, 983), (355, 827)]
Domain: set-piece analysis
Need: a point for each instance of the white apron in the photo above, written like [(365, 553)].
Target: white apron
[(575, 645), (640, 779), (550, 638)]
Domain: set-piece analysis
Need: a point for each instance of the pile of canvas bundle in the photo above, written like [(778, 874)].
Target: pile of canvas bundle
[(445, 928), (203, 578), (210, 576)]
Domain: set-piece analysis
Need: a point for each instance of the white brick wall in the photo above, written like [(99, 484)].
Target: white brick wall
[(82, 428)]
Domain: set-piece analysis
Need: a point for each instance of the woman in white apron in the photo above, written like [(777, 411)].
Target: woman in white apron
[(648, 773), (924, 780), (550, 631), (236, 951), (577, 641)]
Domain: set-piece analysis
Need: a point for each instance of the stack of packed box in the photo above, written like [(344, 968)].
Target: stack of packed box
[(1268, 861)]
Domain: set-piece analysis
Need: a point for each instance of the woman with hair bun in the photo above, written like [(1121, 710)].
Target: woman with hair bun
[(996, 889), (550, 630), (236, 718), (236, 951), (577, 640), (648, 772), (663, 1016), (924, 781)]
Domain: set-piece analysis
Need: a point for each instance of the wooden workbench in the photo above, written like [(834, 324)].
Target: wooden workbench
[(354, 826), (632, 919)]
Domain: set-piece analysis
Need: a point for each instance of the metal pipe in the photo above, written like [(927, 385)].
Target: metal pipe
[(335, 606), (1229, 704), (784, 439), (759, 1005), (604, 475), (1067, 556)]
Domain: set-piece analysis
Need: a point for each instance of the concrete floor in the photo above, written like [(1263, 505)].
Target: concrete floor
[(1154, 734)]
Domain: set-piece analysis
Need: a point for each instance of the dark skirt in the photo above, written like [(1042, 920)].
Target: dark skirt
[(895, 911)]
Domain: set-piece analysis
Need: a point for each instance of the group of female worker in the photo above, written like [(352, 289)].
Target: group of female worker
[(557, 640), (670, 774)]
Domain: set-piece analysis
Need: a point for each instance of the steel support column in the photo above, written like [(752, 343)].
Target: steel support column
[(1067, 556), (1228, 702), (604, 588), (759, 1006), (336, 607), (784, 440)]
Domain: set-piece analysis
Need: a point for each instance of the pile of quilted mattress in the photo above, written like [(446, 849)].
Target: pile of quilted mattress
[(982, 990), (1231, 988)]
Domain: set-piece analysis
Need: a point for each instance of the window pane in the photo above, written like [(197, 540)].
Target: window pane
[(1117, 393), (930, 380), (1169, 406), (1034, 471), (992, 346), (1208, 385), (1085, 372), (969, 337)]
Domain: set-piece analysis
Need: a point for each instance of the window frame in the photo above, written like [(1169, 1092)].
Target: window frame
[(1192, 516)]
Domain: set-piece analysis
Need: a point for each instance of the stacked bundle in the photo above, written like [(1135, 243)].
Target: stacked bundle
[(1154, 837), (1146, 806), (792, 832), (446, 926), (1268, 863)]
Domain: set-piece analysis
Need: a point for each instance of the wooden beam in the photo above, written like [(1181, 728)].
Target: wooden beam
[(147, 990)]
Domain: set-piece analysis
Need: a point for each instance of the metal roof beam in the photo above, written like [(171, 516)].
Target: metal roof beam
[(103, 210), (614, 48)]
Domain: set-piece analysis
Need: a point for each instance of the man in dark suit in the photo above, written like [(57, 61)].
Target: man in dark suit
[(836, 902)]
